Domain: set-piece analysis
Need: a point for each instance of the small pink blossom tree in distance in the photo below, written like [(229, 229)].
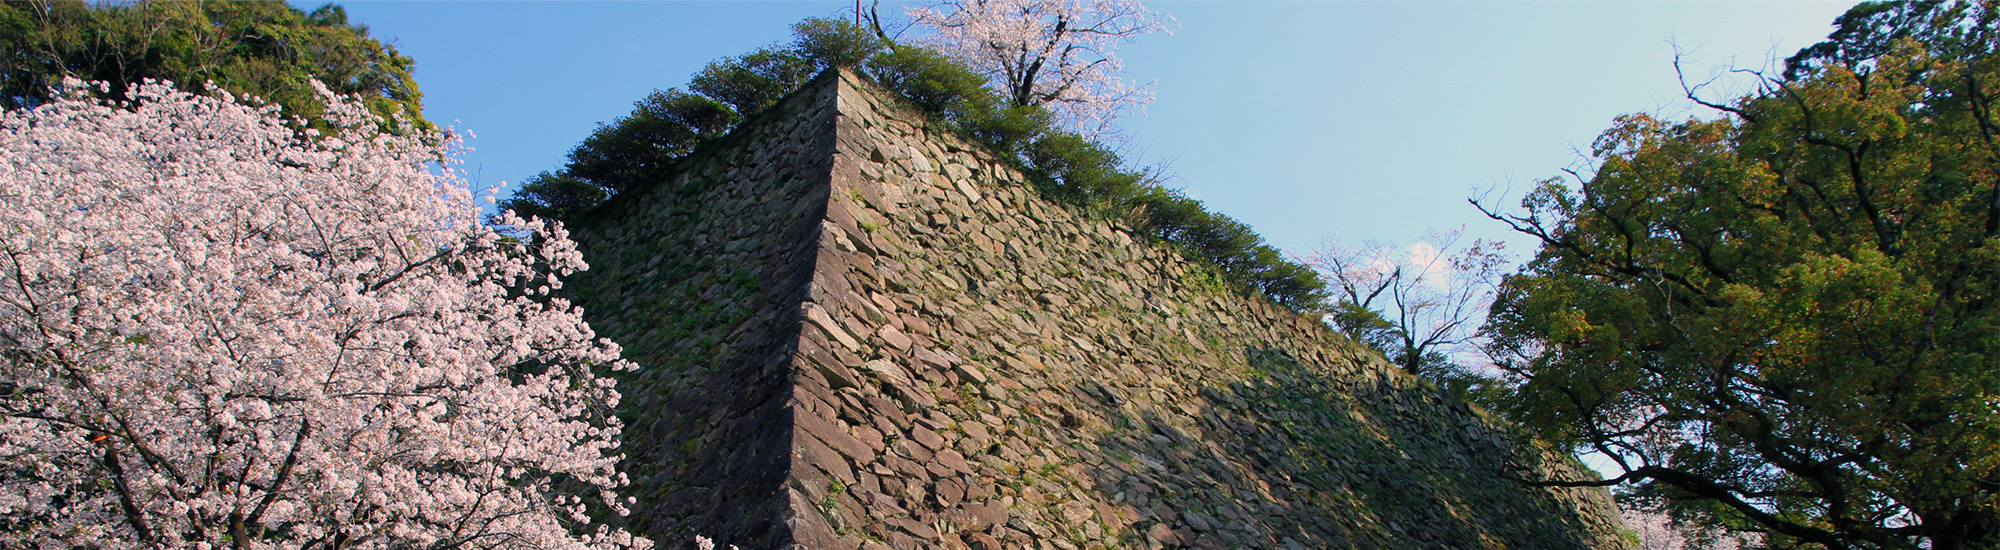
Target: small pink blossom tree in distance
[(1055, 53), (216, 332)]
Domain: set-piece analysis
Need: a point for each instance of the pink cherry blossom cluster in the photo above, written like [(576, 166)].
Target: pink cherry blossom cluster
[(1054, 53), (220, 331), (1656, 530)]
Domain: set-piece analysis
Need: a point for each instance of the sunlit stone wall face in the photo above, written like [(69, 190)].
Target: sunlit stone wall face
[(861, 333)]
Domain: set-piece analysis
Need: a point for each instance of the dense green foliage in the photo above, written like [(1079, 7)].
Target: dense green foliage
[(637, 149), (1788, 320), (260, 48)]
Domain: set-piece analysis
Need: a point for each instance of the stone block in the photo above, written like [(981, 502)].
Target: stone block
[(895, 338), (914, 528), (928, 438), (819, 318), (834, 437)]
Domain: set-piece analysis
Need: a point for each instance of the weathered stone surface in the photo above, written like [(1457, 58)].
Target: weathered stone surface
[(895, 338), (819, 318), (928, 438), (913, 527), (953, 461), (856, 333), (709, 307), (834, 437)]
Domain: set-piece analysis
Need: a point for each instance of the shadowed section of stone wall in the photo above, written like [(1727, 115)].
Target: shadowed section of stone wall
[(699, 278), (858, 333)]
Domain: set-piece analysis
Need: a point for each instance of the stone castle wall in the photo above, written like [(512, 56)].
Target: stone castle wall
[(861, 333), (700, 279)]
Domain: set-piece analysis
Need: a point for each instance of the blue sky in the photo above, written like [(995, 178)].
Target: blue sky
[(1307, 120)]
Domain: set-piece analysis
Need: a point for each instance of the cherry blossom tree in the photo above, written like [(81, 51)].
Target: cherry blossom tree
[(1054, 53), (1656, 529), (216, 332)]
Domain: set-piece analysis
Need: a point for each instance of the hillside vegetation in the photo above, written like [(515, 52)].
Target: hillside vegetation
[(257, 48), (643, 148)]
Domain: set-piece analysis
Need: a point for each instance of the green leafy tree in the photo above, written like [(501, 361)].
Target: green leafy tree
[(554, 196), (1079, 171), (662, 128), (756, 80), (835, 42), (932, 82), (636, 148), (1787, 321), (260, 48)]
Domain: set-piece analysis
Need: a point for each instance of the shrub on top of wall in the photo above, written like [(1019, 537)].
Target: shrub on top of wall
[(1065, 168)]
